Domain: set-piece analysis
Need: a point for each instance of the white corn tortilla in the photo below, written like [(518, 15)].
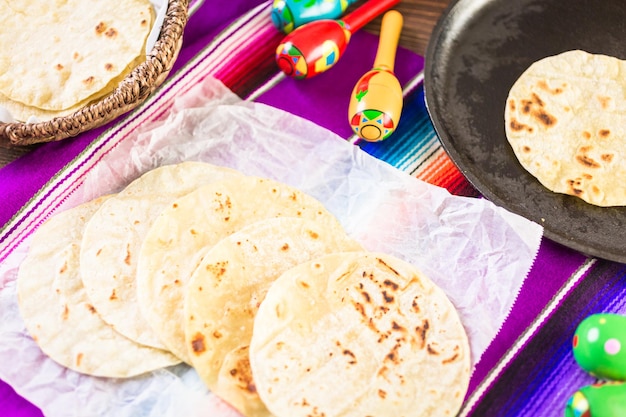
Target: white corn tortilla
[(190, 226), (564, 119), (359, 334), (60, 317), (226, 289), (114, 235), (54, 55)]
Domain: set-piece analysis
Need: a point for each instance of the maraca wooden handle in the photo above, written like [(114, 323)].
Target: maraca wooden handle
[(365, 13), (390, 30)]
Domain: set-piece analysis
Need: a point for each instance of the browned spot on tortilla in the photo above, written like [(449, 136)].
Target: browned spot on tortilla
[(380, 261), (66, 312), (359, 307), (79, 359), (604, 133), (76, 55), (573, 187), (545, 118), (243, 374), (526, 149), (382, 394), (450, 359), (127, 259), (512, 105), (111, 33), (285, 247), (63, 268), (392, 356), (604, 101), (542, 84), (534, 108), (595, 190), (388, 298), (415, 305), (88, 80), (537, 100), (108, 66), (395, 326), (218, 270), (101, 28), (113, 296), (58, 67), (313, 235), (607, 157), (431, 350), (587, 176), (390, 284), (421, 333), (453, 357), (587, 161), (351, 355), (91, 309), (197, 344), (144, 22), (517, 126), (586, 135)]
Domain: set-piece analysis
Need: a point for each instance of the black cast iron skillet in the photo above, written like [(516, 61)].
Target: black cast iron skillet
[(477, 51)]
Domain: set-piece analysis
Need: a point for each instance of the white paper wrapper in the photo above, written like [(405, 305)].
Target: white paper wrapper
[(478, 253)]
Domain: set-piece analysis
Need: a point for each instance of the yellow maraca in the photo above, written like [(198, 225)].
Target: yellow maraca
[(376, 100)]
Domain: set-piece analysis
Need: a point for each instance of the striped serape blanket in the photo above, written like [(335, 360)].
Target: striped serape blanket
[(527, 369)]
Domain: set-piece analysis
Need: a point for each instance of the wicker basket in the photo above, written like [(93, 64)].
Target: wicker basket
[(132, 90)]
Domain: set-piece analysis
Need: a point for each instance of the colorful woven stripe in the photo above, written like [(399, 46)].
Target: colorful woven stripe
[(415, 148)]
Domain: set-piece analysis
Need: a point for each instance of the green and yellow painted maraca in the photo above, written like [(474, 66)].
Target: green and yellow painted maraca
[(376, 100), (606, 399), (599, 347)]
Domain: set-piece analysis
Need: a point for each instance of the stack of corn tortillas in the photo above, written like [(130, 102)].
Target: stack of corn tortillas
[(255, 285), (57, 56), (564, 119), (60, 316)]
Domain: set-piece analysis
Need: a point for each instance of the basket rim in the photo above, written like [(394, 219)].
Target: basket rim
[(131, 91)]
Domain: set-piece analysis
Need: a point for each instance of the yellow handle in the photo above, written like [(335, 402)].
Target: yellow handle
[(390, 29)]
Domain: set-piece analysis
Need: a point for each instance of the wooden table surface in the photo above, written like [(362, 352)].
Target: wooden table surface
[(420, 16)]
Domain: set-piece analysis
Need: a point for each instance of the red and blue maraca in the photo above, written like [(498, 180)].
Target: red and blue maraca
[(290, 14), (316, 46)]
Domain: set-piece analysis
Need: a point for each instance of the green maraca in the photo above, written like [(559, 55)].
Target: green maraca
[(598, 400), (599, 346)]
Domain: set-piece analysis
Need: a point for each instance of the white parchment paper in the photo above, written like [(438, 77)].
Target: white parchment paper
[(477, 252)]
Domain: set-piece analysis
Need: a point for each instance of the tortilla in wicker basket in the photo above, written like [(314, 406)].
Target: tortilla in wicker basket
[(131, 90)]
